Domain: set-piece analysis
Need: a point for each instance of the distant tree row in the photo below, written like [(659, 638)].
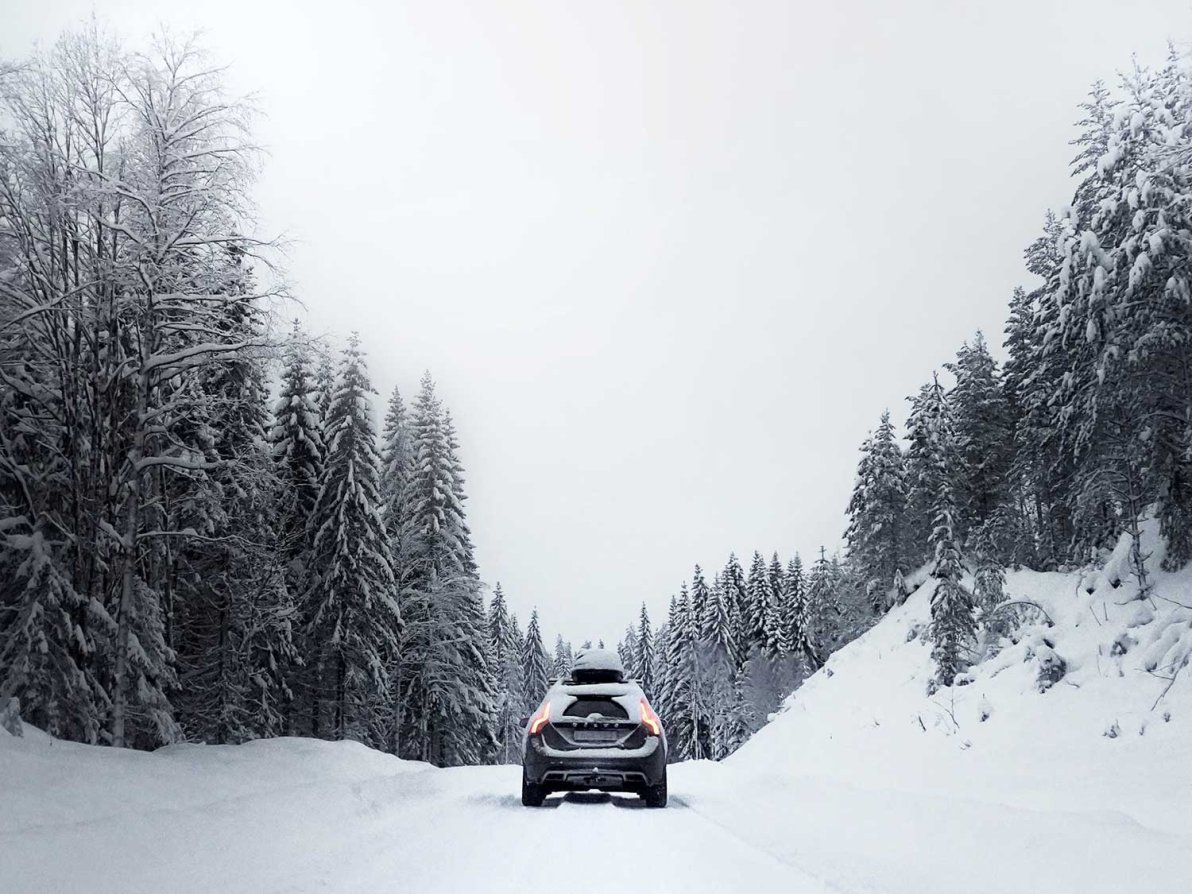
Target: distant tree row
[(731, 650)]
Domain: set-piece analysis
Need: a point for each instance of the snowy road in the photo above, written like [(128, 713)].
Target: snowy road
[(302, 816), (476, 836)]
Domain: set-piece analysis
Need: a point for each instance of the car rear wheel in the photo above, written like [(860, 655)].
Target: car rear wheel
[(532, 794), (655, 795)]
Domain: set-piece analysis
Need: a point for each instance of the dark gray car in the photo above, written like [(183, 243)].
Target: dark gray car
[(595, 730)]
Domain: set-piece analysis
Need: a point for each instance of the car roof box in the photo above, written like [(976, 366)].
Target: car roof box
[(597, 666)]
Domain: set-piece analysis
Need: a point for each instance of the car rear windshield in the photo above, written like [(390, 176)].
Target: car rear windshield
[(596, 675), (605, 707)]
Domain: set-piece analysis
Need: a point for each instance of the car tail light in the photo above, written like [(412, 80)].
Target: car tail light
[(539, 720), (650, 720)]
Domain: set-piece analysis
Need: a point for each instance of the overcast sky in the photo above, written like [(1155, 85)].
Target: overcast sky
[(668, 260)]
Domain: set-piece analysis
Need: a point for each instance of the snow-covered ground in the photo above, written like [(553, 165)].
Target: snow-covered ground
[(864, 783)]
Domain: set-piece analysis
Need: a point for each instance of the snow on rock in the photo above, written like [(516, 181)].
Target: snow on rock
[(10, 717)]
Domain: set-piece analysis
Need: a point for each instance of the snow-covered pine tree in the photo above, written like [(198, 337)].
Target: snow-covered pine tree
[(736, 597), (952, 624), (561, 666), (353, 620), (982, 429), (396, 471), (703, 663), (797, 614), (699, 601), (644, 658), (719, 629), (661, 682), (628, 652), (777, 625), (822, 610), (535, 665), (757, 604), (506, 647), (298, 449), (876, 514), (674, 701), (920, 496), (447, 702), (296, 441)]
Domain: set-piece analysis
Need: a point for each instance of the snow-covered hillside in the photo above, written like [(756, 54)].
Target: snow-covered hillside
[(1085, 785), (864, 783)]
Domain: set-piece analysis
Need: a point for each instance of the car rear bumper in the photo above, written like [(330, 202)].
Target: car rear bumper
[(606, 769)]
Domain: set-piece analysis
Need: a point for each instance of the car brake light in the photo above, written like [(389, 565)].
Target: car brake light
[(540, 719), (650, 720)]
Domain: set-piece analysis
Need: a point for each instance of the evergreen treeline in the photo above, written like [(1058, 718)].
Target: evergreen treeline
[(732, 649), (180, 559)]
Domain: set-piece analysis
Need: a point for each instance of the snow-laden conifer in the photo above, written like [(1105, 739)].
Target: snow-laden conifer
[(353, 620)]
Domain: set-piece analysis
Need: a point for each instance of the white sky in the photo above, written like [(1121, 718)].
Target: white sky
[(667, 259)]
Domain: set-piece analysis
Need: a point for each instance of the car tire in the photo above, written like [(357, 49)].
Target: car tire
[(532, 794), (655, 795)]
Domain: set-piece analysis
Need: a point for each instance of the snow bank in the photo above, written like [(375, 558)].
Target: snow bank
[(1063, 760), (183, 818)]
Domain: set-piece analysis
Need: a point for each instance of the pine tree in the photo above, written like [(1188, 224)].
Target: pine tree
[(797, 613), (353, 621), (396, 473), (876, 514), (820, 610), (756, 606), (505, 647), (952, 624), (719, 629), (298, 449), (562, 663), (675, 697), (920, 494), (699, 601), (777, 623), (448, 701), (628, 652), (982, 428), (735, 602), (535, 665), (644, 657)]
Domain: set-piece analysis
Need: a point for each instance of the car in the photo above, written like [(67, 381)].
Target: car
[(594, 730)]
